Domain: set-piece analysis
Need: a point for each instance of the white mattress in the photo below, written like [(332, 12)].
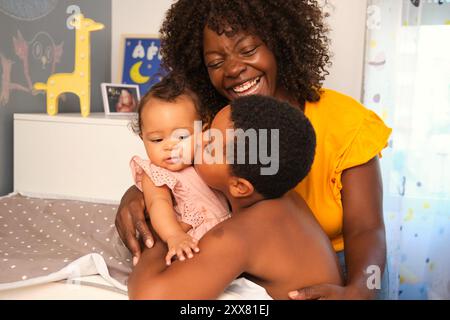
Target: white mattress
[(84, 288)]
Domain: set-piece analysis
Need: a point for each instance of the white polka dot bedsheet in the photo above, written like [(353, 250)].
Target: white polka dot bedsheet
[(44, 240)]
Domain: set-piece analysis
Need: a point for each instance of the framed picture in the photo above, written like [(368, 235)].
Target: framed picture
[(141, 61), (119, 99)]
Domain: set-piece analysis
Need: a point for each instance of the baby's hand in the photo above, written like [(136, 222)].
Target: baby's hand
[(180, 245)]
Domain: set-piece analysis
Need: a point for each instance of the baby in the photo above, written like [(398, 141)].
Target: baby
[(182, 208)]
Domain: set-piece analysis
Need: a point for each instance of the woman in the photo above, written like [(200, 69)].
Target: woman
[(279, 48)]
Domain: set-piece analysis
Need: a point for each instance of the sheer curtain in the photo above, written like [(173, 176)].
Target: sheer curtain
[(407, 82)]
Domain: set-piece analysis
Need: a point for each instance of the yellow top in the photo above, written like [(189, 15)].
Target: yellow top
[(347, 135)]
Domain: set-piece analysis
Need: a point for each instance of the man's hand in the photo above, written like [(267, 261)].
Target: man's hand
[(131, 224)]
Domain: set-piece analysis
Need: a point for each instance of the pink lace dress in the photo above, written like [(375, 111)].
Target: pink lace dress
[(194, 202)]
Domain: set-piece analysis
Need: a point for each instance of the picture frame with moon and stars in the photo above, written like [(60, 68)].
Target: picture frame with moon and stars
[(141, 62), (120, 99)]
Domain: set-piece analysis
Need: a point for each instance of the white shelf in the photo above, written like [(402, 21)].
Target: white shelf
[(93, 118), (68, 156)]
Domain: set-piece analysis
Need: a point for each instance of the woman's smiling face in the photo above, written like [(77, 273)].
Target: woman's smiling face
[(240, 65)]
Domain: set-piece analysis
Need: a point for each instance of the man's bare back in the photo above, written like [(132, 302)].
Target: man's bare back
[(286, 248)]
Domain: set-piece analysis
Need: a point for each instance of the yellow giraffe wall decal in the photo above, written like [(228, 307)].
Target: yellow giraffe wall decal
[(79, 81)]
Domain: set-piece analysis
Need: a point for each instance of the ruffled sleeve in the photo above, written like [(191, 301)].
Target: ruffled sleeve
[(158, 175), (187, 209), (367, 142)]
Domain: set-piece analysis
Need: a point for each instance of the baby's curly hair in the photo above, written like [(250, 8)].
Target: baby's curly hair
[(296, 144), (168, 89), (293, 29)]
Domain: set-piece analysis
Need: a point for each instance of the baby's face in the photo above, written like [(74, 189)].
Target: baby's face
[(217, 174), (167, 132)]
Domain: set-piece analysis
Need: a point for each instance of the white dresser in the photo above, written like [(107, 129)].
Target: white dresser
[(71, 157)]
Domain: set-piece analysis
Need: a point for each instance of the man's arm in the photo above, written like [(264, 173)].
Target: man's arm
[(222, 258)]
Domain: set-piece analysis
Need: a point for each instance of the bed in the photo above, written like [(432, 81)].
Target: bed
[(57, 234)]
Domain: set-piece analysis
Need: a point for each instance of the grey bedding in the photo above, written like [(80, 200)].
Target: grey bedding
[(41, 236)]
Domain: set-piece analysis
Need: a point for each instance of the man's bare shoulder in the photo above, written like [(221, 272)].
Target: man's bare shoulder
[(276, 217), (285, 206), (226, 233), (262, 217), (240, 228)]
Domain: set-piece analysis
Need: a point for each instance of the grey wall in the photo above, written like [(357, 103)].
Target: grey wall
[(42, 24)]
